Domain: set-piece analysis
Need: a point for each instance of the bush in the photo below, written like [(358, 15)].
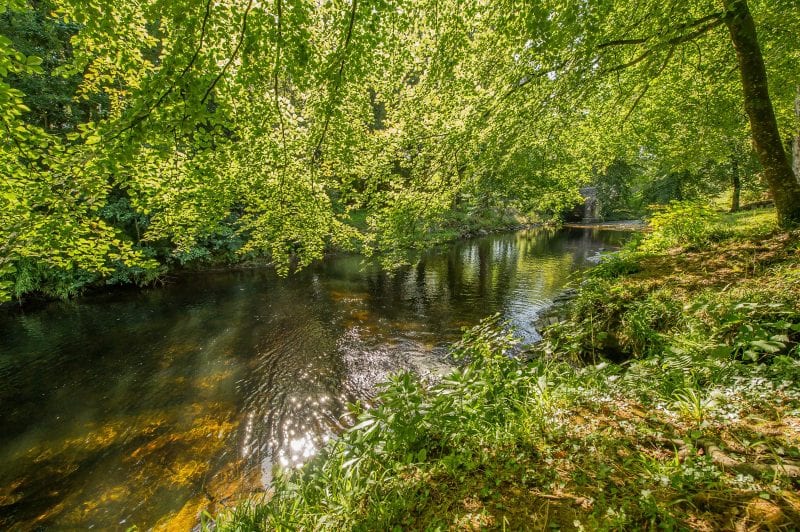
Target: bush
[(749, 330), (683, 224), (616, 265), (29, 276)]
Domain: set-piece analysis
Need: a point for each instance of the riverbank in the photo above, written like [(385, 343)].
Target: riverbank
[(616, 225), (669, 398), (34, 285), (152, 405)]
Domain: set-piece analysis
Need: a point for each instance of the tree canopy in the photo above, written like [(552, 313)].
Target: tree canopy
[(129, 125)]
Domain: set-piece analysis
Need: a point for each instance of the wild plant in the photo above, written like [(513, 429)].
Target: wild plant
[(683, 223)]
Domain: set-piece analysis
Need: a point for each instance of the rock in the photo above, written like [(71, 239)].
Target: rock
[(557, 311)]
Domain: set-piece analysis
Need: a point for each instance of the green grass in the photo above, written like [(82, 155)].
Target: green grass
[(751, 224), (696, 427)]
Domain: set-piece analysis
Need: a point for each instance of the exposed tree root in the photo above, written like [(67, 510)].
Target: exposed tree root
[(725, 461)]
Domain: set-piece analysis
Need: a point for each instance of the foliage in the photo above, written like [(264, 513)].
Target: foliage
[(627, 309), (627, 190), (450, 422), (264, 123), (48, 96), (682, 224), (614, 191), (751, 330)]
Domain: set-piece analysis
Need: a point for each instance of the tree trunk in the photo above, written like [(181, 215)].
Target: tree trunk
[(764, 127), (679, 178), (736, 184)]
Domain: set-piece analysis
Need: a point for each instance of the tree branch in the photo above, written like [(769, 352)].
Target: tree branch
[(140, 118), (714, 17), (200, 42), (647, 85), (529, 78), (630, 63), (278, 46), (698, 32), (317, 153), (706, 24), (233, 55), (623, 42)]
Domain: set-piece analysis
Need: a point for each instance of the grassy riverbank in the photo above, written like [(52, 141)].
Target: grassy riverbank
[(669, 398)]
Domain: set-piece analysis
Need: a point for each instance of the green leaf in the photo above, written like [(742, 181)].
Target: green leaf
[(721, 351), (767, 346), (362, 425)]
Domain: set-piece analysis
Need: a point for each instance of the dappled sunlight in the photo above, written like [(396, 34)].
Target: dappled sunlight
[(379, 265)]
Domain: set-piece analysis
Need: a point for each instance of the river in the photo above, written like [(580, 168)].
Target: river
[(146, 406)]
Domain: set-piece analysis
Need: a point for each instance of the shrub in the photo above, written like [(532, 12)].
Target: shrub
[(686, 224)]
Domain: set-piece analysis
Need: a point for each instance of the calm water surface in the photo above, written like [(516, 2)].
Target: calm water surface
[(146, 407)]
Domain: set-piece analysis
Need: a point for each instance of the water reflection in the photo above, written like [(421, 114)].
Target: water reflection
[(144, 407)]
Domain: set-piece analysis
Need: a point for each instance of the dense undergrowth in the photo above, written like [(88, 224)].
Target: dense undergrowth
[(669, 399)]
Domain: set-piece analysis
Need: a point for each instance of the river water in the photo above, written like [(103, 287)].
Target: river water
[(145, 407)]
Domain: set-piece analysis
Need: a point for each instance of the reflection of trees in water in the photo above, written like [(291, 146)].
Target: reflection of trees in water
[(454, 274), (475, 278), (484, 265), (136, 377)]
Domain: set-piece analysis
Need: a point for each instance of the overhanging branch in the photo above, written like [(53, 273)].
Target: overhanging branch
[(233, 54), (702, 26), (141, 117), (317, 153)]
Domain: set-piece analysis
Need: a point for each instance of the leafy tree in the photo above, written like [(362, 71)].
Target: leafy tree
[(637, 45), (263, 126), (50, 97)]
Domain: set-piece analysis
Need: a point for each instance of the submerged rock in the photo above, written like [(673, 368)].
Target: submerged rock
[(557, 311)]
